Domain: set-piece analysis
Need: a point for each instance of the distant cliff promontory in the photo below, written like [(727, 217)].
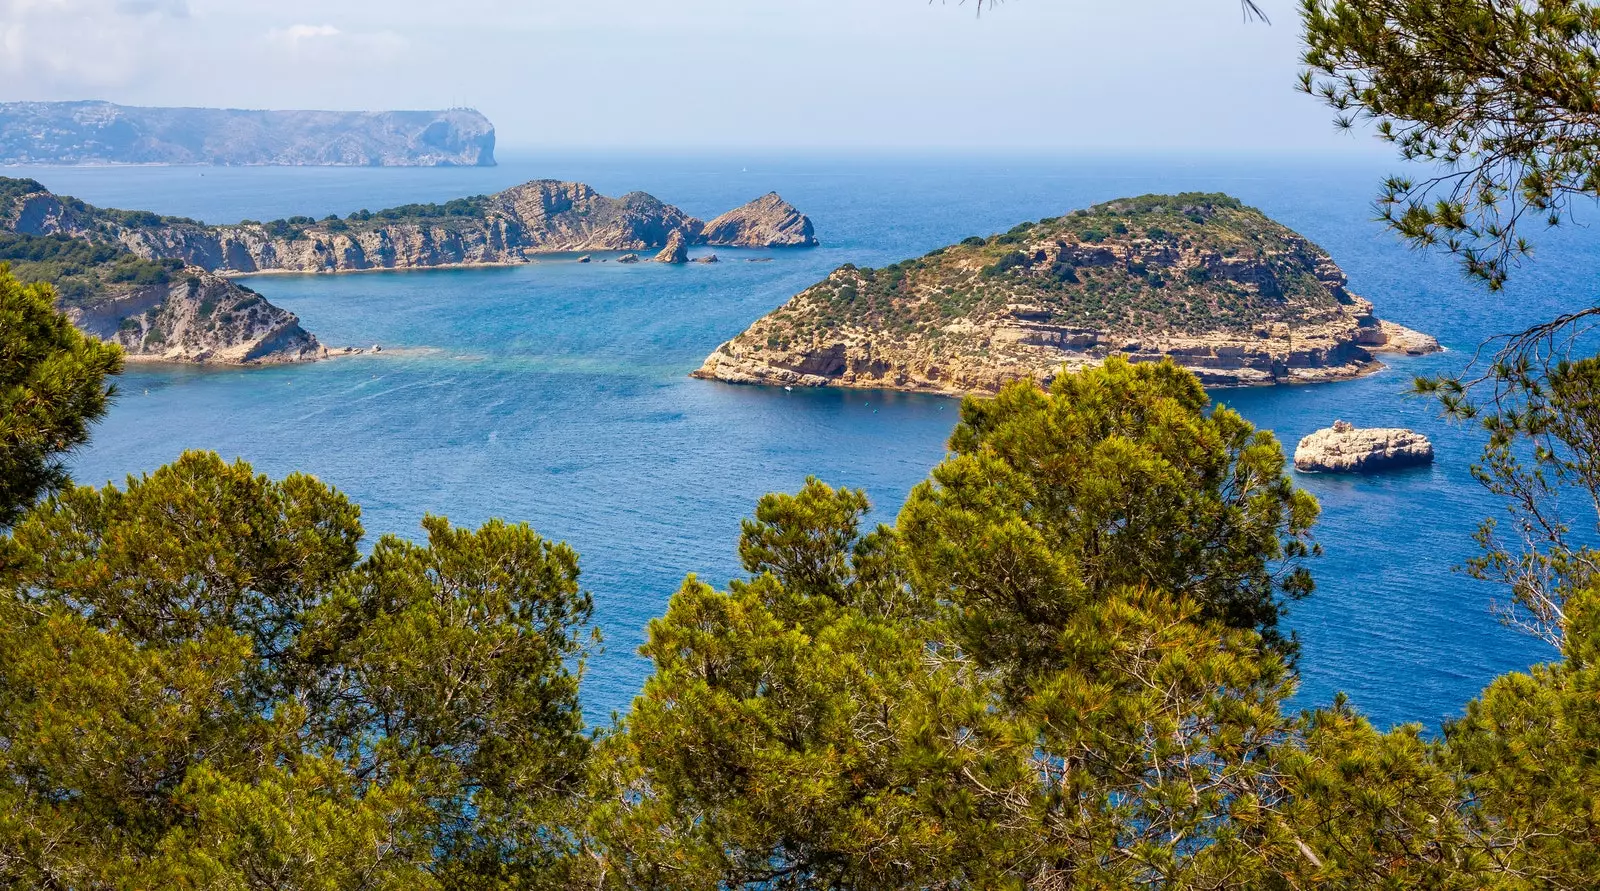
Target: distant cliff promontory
[(158, 310), (103, 133), (1215, 285), (513, 226)]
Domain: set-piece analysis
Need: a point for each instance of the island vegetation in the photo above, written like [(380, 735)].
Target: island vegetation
[(1200, 278)]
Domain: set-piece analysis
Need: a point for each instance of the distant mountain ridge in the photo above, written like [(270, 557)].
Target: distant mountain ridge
[(94, 132)]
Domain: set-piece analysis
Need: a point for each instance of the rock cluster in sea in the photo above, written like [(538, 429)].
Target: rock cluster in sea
[(768, 221), (1345, 448), (676, 252)]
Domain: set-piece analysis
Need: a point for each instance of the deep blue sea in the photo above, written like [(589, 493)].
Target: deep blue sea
[(558, 393)]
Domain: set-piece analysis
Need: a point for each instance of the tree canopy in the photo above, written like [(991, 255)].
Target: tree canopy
[(54, 383)]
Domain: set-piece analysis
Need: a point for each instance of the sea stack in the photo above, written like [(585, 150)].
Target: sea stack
[(768, 221), (1345, 448), (676, 252)]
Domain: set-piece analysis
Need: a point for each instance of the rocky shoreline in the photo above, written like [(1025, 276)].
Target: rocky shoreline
[(1201, 280), (199, 318)]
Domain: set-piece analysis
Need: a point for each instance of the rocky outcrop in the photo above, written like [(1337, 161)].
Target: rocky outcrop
[(103, 133), (510, 227), (676, 252), (201, 318), (1201, 279), (768, 221), (628, 258), (1345, 448)]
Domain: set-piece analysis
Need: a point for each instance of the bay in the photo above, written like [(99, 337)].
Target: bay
[(557, 393)]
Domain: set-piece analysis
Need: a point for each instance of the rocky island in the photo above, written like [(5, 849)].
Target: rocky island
[(159, 311), (103, 133), (1346, 448), (1216, 286), (510, 227)]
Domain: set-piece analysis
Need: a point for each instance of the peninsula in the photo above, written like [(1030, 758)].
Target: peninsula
[(1216, 286), (102, 133), (510, 227)]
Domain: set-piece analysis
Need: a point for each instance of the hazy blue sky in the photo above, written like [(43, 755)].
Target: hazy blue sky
[(1156, 74)]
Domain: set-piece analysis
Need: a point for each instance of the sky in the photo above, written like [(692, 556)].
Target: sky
[(1157, 75)]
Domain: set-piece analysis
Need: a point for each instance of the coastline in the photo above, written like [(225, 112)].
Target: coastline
[(1406, 342)]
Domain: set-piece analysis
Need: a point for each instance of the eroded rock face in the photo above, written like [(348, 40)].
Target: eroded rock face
[(510, 227), (1345, 448), (201, 318), (768, 221), (1213, 285), (676, 251)]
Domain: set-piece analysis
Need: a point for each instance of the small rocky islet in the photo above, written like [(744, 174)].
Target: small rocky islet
[(1202, 279), (1346, 448), (160, 286)]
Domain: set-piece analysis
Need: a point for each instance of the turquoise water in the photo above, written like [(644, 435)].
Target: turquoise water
[(558, 393)]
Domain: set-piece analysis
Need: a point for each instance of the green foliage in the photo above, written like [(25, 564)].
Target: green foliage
[(203, 685), (1060, 668), (472, 208), (1498, 95), (53, 386), (81, 271), (888, 710), (1117, 478)]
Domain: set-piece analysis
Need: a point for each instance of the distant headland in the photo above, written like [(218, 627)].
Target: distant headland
[(93, 132), (1199, 278)]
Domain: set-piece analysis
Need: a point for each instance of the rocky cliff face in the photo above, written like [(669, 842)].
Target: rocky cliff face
[(1216, 286), (198, 317), (513, 226), (103, 133)]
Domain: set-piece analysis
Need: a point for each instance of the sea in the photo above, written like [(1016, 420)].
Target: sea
[(558, 393)]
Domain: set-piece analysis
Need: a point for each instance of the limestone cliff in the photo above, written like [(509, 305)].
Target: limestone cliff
[(158, 310), (768, 221), (103, 133), (513, 226), (199, 317), (1215, 285)]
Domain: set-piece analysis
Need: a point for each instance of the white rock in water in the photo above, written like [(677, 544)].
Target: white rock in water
[(1344, 448)]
